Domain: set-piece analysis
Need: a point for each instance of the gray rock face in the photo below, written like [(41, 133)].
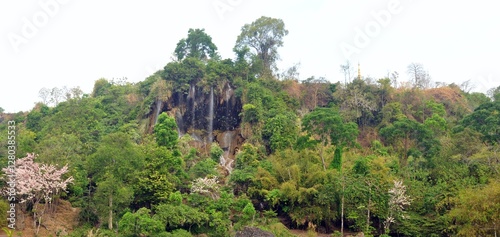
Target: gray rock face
[(253, 232)]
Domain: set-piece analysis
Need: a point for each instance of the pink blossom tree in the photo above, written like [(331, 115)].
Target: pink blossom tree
[(36, 184)]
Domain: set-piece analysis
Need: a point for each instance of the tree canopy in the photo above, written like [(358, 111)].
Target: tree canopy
[(198, 44), (263, 36)]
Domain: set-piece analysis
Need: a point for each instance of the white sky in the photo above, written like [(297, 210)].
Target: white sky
[(80, 41)]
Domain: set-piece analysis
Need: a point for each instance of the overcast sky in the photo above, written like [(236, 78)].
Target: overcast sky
[(50, 43)]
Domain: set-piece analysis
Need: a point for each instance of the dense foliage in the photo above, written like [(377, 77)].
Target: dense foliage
[(361, 156)]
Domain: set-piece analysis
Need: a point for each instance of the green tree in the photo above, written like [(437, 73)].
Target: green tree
[(303, 187), (476, 98), (166, 131), (366, 195), (264, 35), (249, 212), (163, 172), (174, 216), (112, 197), (337, 159), (112, 167), (329, 126), (281, 131), (140, 223), (405, 134), (245, 168), (216, 152), (183, 74), (197, 45), (477, 211), (494, 93), (486, 120), (218, 73), (251, 113), (100, 87), (34, 118)]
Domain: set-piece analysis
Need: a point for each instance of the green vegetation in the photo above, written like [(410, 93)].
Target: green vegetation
[(360, 156)]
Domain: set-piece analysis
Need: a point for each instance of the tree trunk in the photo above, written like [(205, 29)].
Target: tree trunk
[(110, 221), (342, 208), (368, 211), (322, 158), (406, 147)]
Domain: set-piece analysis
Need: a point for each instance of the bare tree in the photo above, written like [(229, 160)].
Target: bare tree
[(66, 93), (347, 70), (467, 86), (44, 94), (315, 92), (394, 79), (291, 73), (418, 76), (76, 92), (121, 81), (56, 95)]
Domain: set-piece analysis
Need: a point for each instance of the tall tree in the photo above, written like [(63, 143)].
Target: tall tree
[(44, 94), (327, 124), (346, 69), (397, 202), (394, 78), (419, 77), (198, 45), (162, 173), (264, 35), (404, 134), (112, 167)]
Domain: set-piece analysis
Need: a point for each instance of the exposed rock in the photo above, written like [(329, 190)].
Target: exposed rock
[(207, 114), (253, 232)]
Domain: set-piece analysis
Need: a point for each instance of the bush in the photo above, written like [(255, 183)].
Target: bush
[(216, 152), (4, 207)]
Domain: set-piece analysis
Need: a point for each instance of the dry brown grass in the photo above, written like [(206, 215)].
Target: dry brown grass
[(62, 220)]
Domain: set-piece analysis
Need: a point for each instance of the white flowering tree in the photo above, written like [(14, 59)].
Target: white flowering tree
[(398, 200), (36, 184), (206, 186)]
